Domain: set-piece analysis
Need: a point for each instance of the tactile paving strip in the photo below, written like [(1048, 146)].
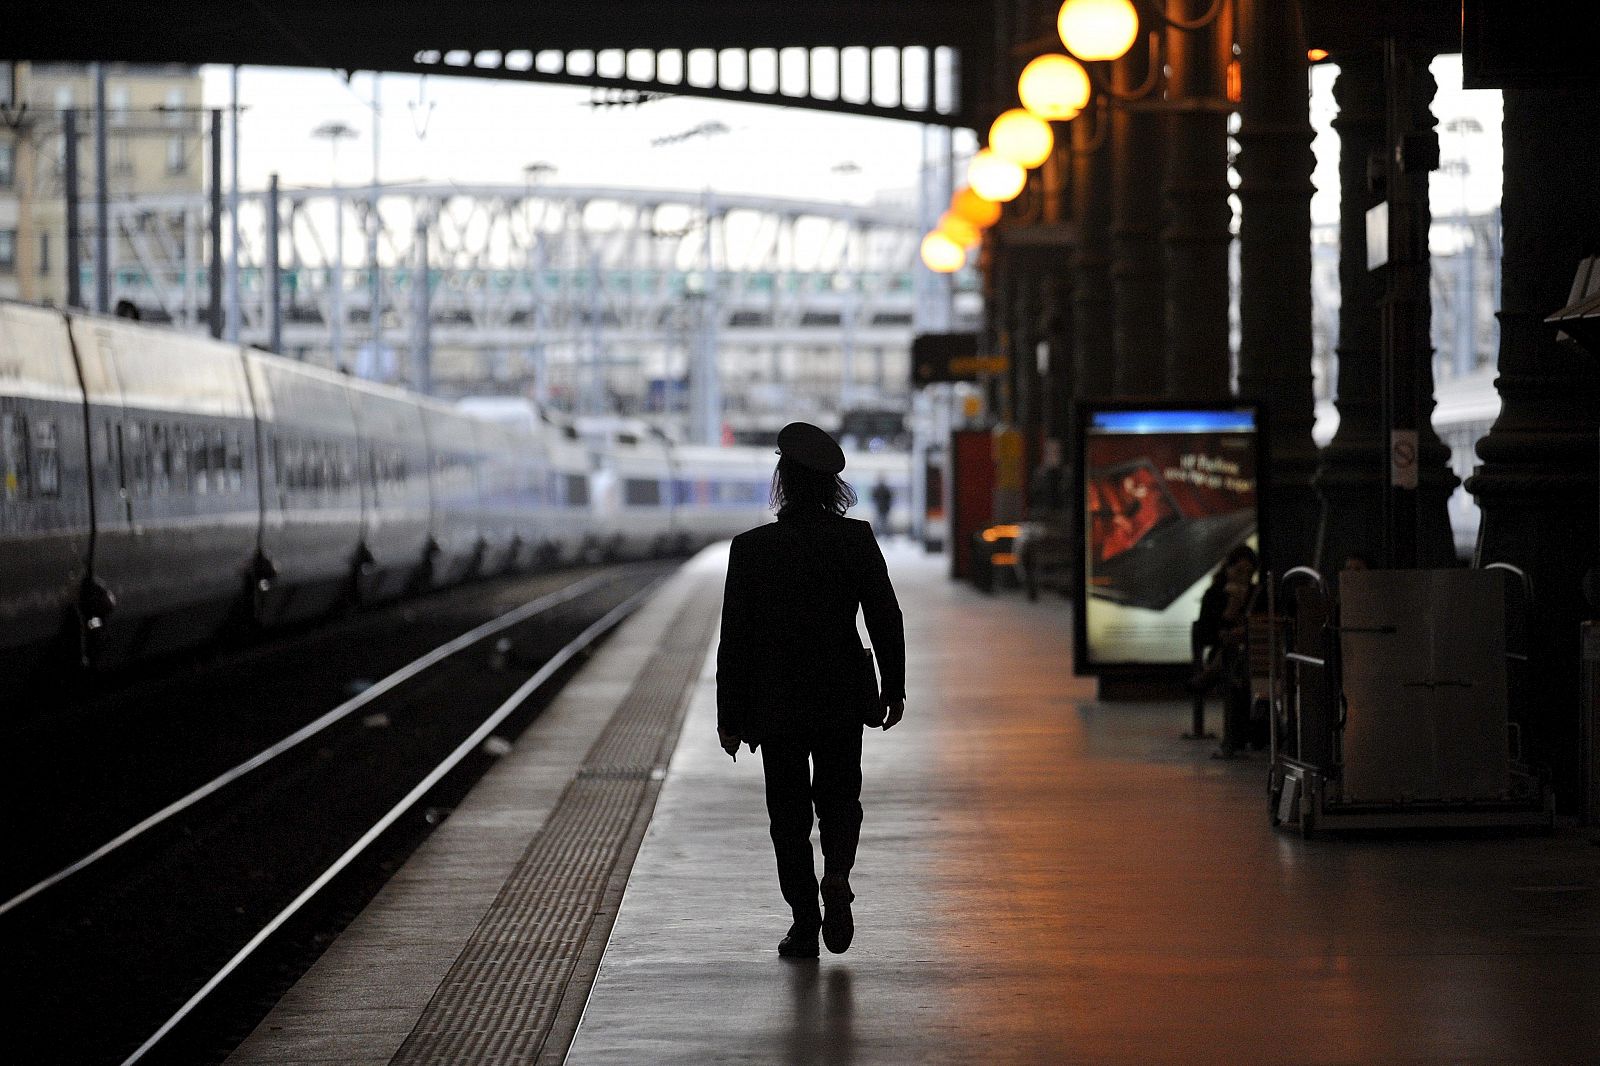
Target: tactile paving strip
[(499, 1000)]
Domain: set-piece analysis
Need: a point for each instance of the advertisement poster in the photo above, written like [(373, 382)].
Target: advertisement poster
[(1166, 494)]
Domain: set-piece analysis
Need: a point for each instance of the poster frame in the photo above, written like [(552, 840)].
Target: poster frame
[(1083, 411)]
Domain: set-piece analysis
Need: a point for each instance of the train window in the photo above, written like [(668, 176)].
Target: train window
[(179, 447), (161, 460), (46, 458), (136, 452), (577, 490), (219, 462), (641, 492), (14, 455), (200, 462), (235, 463)]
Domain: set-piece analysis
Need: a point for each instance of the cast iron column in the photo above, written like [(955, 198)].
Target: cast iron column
[(1354, 473), (1138, 144), (1196, 236), (1537, 484), (1275, 164), (1093, 325), (1416, 517)]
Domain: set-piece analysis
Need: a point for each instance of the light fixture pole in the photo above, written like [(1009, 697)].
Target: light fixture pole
[(532, 174), (333, 133), (705, 391)]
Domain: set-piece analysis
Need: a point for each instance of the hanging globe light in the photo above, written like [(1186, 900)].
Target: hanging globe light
[(1021, 137), (1054, 87), (974, 208), (942, 255), (958, 229), (994, 178), (1098, 29)]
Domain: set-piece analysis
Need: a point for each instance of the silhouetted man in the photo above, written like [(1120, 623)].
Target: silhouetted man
[(790, 674)]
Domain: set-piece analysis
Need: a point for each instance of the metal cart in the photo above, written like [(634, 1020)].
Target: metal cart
[(1389, 713)]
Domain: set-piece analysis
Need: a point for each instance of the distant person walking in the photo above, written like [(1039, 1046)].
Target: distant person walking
[(793, 680), (882, 501)]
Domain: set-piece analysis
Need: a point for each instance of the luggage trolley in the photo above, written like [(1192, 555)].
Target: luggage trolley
[(1417, 734)]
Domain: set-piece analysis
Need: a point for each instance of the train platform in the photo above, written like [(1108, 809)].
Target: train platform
[(1043, 879)]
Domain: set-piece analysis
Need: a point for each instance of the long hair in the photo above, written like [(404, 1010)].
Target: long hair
[(799, 490)]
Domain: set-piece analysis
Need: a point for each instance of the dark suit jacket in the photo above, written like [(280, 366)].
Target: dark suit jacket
[(787, 661)]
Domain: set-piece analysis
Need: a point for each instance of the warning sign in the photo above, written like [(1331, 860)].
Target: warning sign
[(1403, 458)]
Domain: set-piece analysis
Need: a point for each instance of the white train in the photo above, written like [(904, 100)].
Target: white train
[(155, 486)]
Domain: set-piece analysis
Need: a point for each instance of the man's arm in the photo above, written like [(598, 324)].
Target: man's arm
[(735, 658), (884, 623)]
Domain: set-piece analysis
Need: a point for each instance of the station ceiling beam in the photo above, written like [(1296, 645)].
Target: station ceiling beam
[(860, 58)]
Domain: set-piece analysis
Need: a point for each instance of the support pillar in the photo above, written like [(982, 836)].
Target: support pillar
[(214, 272), (1275, 164), (72, 255), (1416, 519), (1138, 274), (421, 315), (274, 293), (1094, 343), (1537, 484), (102, 198), (1196, 236), (1353, 473)]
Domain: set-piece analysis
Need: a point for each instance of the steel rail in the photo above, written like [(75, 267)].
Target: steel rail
[(344, 710), (434, 776)]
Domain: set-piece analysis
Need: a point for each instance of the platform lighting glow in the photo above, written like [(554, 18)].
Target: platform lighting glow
[(994, 178), (1054, 87), (1098, 29), (974, 208), (942, 255), (958, 229), (1021, 137)]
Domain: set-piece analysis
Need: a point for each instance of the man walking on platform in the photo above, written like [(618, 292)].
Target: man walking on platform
[(793, 679)]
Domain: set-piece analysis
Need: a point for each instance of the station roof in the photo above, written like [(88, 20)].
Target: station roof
[(366, 35)]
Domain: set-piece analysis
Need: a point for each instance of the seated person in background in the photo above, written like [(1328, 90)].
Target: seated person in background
[(1219, 631)]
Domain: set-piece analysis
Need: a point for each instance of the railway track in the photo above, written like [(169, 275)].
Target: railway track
[(174, 933)]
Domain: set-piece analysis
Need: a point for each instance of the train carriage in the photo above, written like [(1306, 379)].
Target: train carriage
[(311, 494), (632, 500), (396, 492), (174, 476), (511, 491), (568, 481), (455, 541), (45, 517), (717, 492)]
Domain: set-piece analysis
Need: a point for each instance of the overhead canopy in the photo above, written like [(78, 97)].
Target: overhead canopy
[(474, 37)]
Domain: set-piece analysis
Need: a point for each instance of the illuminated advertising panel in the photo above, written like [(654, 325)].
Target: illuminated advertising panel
[(1166, 493)]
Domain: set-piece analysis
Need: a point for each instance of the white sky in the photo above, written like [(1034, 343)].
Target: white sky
[(471, 130), (477, 130)]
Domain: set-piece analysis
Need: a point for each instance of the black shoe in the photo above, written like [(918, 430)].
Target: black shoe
[(799, 944), (838, 924)]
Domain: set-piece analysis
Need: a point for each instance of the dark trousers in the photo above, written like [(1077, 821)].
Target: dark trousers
[(821, 771)]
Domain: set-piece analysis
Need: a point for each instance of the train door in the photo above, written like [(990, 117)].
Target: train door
[(116, 552)]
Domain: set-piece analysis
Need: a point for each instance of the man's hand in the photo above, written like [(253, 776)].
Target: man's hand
[(729, 742), (894, 710)]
